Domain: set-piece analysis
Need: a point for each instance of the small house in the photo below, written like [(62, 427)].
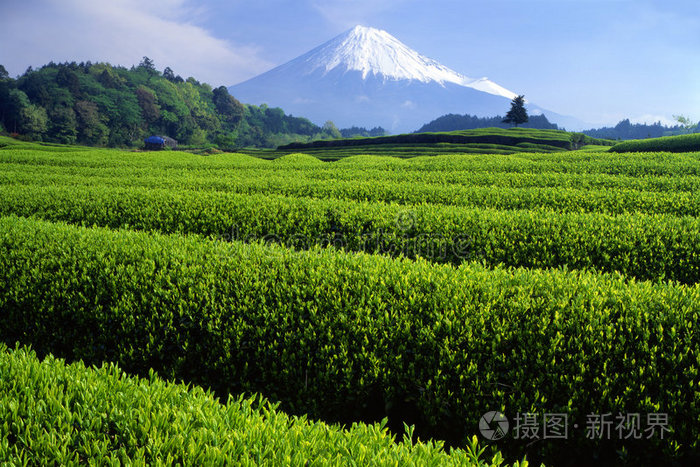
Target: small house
[(160, 142)]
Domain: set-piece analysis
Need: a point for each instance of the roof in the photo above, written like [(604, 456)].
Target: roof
[(155, 140)]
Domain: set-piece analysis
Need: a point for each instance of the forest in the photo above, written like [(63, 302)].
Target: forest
[(98, 104)]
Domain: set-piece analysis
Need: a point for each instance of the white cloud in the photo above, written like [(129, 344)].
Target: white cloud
[(122, 32)]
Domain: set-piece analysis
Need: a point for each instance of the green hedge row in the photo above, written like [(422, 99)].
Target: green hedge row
[(327, 176), (682, 143), (495, 136), (57, 414), (353, 336), (582, 163), (561, 183), (641, 246), (407, 151), (560, 198)]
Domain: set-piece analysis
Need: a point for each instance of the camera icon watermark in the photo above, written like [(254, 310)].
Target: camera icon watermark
[(493, 425)]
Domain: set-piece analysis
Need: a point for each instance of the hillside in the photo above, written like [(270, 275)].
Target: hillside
[(681, 143), (102, 105), (483, 140)]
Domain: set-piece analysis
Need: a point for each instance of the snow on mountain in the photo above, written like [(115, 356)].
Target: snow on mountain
[(367, 77), (376, 52)]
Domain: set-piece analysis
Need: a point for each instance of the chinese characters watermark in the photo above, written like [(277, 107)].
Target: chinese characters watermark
[(542, 426)]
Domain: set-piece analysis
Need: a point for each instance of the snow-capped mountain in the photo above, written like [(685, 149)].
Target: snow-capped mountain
[(366, 77), (375, 52)]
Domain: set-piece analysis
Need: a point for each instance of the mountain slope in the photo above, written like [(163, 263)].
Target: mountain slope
[(368, 77)]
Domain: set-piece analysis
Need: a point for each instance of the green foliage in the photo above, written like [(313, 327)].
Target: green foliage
[(347, 337), (92, 130), (517, 113), (98, 104), (63, 126), (681, 143), (102, 416), (687, 124), (33, 121), (456, 141), (228, 106), (343, 336), (14, 103), (149, 106), (354, 132), (331, 130), (644, 246), (148, 65), (454, 122), (627, 130), (270, 127)]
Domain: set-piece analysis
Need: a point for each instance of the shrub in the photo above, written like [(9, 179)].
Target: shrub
[(349, 337), (681, 143), (53, 413)]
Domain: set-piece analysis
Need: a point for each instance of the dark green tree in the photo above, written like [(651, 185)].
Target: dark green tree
[(169, 74), (686, 123), (68, 79), (148, 65), (149, 104), (90, 129), (330, 131), (517, 113), (109, 79), (34, 121), (62, 125), (6, 84), (228, 106), (17, 100)]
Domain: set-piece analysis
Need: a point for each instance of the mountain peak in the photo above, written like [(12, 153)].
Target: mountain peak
[(375, 52), (366, 76)]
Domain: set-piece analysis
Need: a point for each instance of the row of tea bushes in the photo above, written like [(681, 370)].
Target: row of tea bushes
[(617, 200), (636, 245), (679, 143), (52, 413), (350, 337)]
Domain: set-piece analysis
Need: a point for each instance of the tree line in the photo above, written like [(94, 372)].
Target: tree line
[(455, 122), (517, 114), (99, 104), (627, 130)]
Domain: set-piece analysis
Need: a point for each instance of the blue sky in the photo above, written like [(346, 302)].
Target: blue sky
[(598, 60)]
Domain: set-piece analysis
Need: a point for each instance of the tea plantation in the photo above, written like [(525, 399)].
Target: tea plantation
[(382, 304)]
